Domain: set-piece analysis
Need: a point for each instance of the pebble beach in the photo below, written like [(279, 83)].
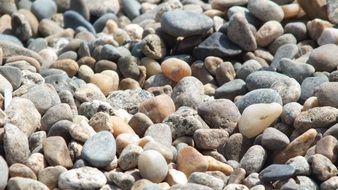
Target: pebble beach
[(168, 94)]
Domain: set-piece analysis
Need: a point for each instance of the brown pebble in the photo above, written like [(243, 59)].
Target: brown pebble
[(104, 82), (215, 165), (20, 170), (189, 160), (140, 123), (89, 61), (69, 66), (120, 126), (175, 69), (327, 146)]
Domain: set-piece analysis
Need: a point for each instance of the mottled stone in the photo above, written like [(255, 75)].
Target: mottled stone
[(322, 167), (253, 160), (56, 152)]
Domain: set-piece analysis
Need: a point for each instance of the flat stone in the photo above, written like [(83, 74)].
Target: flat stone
[(231, 89), (210, 138), (276, 172), (15, 144), (254, 159), (185, 23), (100, 149), (20, 183), (217, 44), (43, 9), (220, 113), (82, 178), (152, 166), (56, 152)]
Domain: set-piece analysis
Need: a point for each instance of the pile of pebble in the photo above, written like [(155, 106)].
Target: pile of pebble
[(157, 95)]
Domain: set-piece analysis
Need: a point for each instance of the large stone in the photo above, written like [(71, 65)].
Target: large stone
[(254, 159), (322, 58), (56, 152), (20, 183), (152, 166)]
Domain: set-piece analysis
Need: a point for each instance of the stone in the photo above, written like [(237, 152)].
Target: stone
[(237, 176), (189, 186), (257, 117), (251, 180), (161, 133), (36, 162), (153, 47), (128, 158), (176, 177), (217, 44), (273, 139), (21, 27), (231, 89), (322, 167), (123, 180), (20, 183), (98, 9), (23, 114), (288, 50), (215, 165), (185, 121), (54, 114), (327, 147), (330, 184), (13, 75), (210, 138), (120, 126), (100, 23), (290, 112), (152, 166), (50, 175), (297, 147), (266, 10), (321, 59), (43, 9), (318, 117), (7, 7), (220, 113), (332, 13), (68, 65), (166, 151), (207, 180), (73, 20), (276, 172), (105, 83), (270, 31), (175, 69), (125, 139), (80, 7), (235, 147), (88, 93), (100, 149), (239, 25), (314, 9), (82, 178), (254, 159), (225, 72), (185, 23), (247, 68), (4, 176), (298, 71), (189, 160), (158, 108), (325, 96), (56, 152), (15, 145), (310, 85), (20, 170), (140, 123), (328, 36), (300, 164)]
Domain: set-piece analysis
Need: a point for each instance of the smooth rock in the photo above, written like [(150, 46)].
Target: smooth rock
[(325, 94), (321, 58), (332, 12), (322, 167), (231, 89), (327, 146), (175, 69), (254, 159), (21, 170), (274, 139), (276, 172), (73, 20), (298, 71), (123, 180), (189, 160), (300, 164), (43, 9), (310, 85), (207, 180), (128, 158), (152, 166), (50, 175), (158, 108), (161, 133), (20, 183), (56, 152), (54, 114), (268, 33), (330, 184), (4, 171), (266, 10)]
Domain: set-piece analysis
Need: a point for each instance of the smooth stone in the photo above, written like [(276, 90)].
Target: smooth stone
[(100, 23), (132, 8), (276, 172), (161, 133), (310, 85), (284, 51), (21, 170), (326, 94), (314, 9), (253, 160), (140, 123), (327, 146), (100, 149), (280, 41), (298, 71), (88, 93), (175, 69), (217, 44), (68, 65), (189, 160), (44, 9), (268, 33), (73, 20), (82, 178), (321, 58), (122, 180), (50, 175), (80, 7), (176, 177), (247, 68), (330, 184), (300, 164), (20, 183), (316, 27), (36, 162), (21, 27), (152, 166), (128, 100), (332, 12), (240, 33), (258, 96), (266, 10), (225, 72), (245, 12), (328, 36), (273, 139), (158, 108), (4, 171), (297, 29), (207, 180), (98, 9), (7, 7), (188, 186), (12, 39), (235, 147), (23, 114), (104, 82), (231, 89), (185, 23), (318, 117), (220, 113), (185, 121), (54, 114), (47, 91), (209, 139), (297, 147), (322, 167), (166, 151), (56, 152), (128, 158), (290, 112), (15, 144)]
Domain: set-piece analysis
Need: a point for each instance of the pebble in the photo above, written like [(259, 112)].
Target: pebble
[(176, 177), (73, 20), (327, 147), (140, 123), (161, 133), (266, 10), (189, 186), (50, 175), (158, 108), (231, 89), (152, 166), (297, 29), (210, 138), (290, 112), (207, 180), (189, 160), (15, 145), (321, 59), (21, 183), (298, 71), (175, 69), (123, 180), (309, 86), (239, 25), (166, 151), (224, 73), (254, 159), (300, 164), (330, 184), (276, 172), (20, 170), (328, 36), (324, 94), (268, 33), (245, 12), (332, 11), (54, 114), (274, 139), (322, 167), (235, 186), (44, 9), (185, 23), (318, 117), (4, 176), (82, 178), (280, 41), (56, 152), (36, 162), (153, 47), (100, 149)]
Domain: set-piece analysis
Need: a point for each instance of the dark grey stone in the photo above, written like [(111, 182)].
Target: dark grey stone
[(73, 20), (276, 172)]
